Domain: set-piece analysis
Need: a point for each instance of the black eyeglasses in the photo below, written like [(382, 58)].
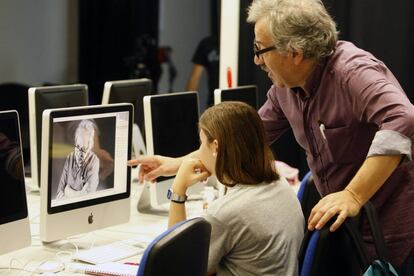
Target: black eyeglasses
[(258, 51)]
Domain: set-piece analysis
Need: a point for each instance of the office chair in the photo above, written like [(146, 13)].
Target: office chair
[(308, 195), (344, 251), (180, 250), (328, 253), (15, 97)]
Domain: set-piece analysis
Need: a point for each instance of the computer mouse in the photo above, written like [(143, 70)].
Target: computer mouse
[(51, 266)]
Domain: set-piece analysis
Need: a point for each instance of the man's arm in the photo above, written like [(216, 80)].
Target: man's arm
[(347, 203)]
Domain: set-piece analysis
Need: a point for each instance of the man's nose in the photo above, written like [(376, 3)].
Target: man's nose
[(257, 60)]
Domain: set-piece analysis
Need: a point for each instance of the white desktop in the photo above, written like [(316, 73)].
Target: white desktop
[(171, 128), (131, 91), (80, 191), (41, 98), (14, 218)]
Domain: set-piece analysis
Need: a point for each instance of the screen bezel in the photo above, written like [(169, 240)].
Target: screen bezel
[(13, 115), (88, 110)]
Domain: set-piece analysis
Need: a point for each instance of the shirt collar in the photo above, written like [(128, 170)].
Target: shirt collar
[(312, 82)]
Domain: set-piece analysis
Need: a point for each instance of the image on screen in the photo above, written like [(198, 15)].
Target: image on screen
[(13, 205), (86, 154)]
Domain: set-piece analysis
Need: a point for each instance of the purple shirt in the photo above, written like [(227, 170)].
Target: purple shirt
[(356, 109)]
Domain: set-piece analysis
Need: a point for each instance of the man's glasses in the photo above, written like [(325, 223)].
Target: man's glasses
[(257, 51)]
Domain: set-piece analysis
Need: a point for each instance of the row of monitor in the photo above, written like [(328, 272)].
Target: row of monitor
[(169, 122)]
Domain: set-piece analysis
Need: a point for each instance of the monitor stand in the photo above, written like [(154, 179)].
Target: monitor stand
[(144, 203), (138, 144)]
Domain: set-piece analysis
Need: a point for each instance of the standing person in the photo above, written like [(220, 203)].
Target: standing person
[(80, 173), (206, 58), (247, 238), (348, 112)]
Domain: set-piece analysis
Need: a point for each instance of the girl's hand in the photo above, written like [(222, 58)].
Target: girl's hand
[(190, 172)]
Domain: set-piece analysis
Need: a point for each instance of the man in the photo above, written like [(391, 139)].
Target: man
[(346, 110), (81, 170)]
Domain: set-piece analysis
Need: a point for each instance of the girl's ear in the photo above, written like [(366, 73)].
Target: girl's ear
[(215, 147)]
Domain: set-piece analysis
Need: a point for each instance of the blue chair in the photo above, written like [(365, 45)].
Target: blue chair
[(180, 250), (308, 195)]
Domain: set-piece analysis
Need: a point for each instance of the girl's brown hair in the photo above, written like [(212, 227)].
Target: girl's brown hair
[(243, 155)]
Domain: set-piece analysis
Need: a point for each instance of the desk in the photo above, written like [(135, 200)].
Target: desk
[(145, 226)]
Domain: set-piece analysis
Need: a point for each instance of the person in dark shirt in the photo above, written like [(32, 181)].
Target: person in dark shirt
[(206, 58)]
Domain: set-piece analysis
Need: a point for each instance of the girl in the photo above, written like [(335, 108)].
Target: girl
[(257, 227)]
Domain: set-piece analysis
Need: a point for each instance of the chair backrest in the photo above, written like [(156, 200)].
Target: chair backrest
[(180, 250), (344, 251), (328, 253), (308, 195)]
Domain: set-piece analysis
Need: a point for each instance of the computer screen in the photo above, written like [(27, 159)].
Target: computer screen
[(171, 127), (130, 91), (85, 178), (14, 221), (41, 98), (246, 94)]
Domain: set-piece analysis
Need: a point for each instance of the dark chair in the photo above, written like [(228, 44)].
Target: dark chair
[(181, 250), (342, 252), (15, 97), (308, 195)]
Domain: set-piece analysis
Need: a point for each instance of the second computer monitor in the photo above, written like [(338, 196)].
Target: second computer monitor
[(41, 98), (130, 91), (246, 94), (171, 123)]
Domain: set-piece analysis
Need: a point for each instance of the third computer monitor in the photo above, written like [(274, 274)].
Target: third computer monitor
[(41, 98), (171, 123), (246, 94)]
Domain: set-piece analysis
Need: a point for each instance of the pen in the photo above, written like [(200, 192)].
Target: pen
[(129, 263), (322, 129)]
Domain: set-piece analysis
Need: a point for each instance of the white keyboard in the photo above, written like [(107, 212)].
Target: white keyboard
[(111, 252)]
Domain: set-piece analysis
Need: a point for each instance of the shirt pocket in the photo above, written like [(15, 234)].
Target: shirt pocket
[(341, 145)]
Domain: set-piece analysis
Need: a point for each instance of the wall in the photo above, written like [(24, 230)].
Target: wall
[(183, 24), (38, 41)]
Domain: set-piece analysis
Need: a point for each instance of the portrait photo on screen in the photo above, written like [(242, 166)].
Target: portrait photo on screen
[(82, 157)]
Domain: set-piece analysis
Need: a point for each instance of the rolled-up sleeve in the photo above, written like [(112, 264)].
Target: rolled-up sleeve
[(379, 99)]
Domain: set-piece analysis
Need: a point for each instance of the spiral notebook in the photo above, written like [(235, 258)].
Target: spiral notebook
[(108, 269)]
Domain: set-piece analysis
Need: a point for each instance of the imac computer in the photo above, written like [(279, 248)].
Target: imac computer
[(14, 220), (131, 91), (246, 94), (85, 180), (41, 98), (171, 128)]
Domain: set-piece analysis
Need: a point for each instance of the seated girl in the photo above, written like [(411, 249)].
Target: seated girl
[(257, 227)]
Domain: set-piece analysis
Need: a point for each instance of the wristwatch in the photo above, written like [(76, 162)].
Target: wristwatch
[(175, 197)]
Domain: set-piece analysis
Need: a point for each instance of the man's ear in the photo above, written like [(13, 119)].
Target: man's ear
[(297, 57)]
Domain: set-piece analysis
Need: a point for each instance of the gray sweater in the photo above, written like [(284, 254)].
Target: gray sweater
[(256, 230)]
